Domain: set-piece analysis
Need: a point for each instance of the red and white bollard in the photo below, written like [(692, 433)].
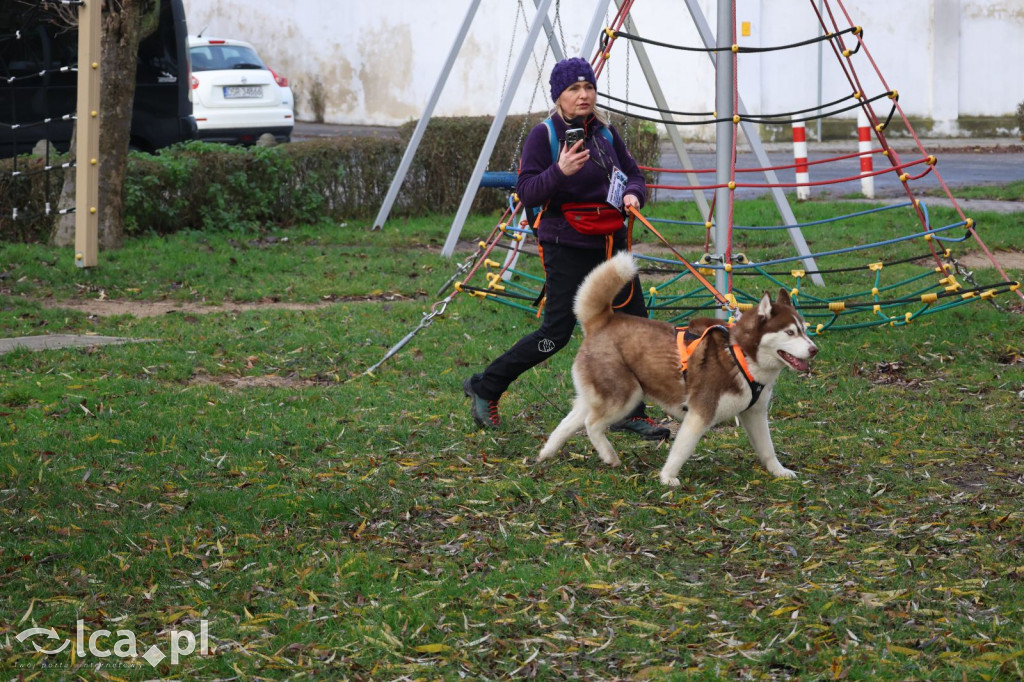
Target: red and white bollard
[(800, 156), (867, 181)]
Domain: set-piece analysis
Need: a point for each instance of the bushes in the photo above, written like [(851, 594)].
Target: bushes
[(215, 187)]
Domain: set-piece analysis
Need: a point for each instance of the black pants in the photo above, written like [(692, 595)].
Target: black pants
[(565, 268)]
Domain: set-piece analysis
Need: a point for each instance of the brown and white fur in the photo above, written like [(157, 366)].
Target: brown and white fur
[(624, 358)]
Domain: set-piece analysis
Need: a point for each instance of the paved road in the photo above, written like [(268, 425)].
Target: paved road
[(958, 167)]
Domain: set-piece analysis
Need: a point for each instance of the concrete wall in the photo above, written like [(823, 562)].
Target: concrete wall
[(949, 59)]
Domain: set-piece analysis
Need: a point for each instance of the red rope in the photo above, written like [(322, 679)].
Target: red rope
[(831, 159)]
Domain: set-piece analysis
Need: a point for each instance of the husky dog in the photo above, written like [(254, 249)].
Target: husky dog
[(729, 373)]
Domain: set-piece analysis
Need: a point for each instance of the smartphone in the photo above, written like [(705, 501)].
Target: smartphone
[(572, 136)]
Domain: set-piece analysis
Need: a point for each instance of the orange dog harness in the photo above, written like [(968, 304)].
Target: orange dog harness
[(688, 342)]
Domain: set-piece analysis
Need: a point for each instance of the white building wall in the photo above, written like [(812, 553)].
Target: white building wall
[(379, 61)]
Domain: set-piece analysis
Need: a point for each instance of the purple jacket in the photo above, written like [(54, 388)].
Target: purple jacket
[(541, 181)]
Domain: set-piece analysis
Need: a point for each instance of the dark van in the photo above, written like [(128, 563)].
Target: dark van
[(33, 87)]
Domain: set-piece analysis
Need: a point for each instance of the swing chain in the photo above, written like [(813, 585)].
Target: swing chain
[(511, 46), (514, 163)]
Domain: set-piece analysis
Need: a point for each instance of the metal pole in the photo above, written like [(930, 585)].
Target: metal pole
[(821, 30), (724, 138), (662, 103), (421, 125), (492, 135), (594, 30), (87, 144), (750, 133), (556, 48)]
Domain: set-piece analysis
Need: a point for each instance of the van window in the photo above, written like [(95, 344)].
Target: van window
[(36, 42)]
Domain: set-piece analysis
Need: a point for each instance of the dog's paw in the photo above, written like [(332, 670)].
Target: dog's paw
[(613, 461), (783, 472), (669, 481)]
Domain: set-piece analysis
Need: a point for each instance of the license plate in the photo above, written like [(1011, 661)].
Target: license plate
[(243, 91)]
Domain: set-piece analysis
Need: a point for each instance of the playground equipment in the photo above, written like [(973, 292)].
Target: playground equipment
[(910, 272)]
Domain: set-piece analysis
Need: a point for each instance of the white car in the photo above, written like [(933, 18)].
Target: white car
[(236, 98)]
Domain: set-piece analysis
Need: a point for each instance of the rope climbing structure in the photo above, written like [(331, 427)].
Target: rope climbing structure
[(880, 265)]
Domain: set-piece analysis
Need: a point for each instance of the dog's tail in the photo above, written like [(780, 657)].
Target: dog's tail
[(593, 305)]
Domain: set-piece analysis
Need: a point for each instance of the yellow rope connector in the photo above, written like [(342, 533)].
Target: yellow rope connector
[(847, 52), (969, 223), (458, 287), (908, 317), (858, 31), (794, 292), (968, 294), (708, 225), (895, 94), (988, 294), (1015, 286), (875, 267), (735, 48), (928, 237), (517, 237), (482, 244), (745, 307), (741, 258), (732, 184), (879, 127), (876, 308), (931, 160), (836, 306), (858, 95), (493, 280), (874, 291), (944, 268), (653, 291), (610, 33), (904, 177), (503, 227), (706, 271), (731, 298), (929, 298), (885, 153), (488, 263), (727, 267), (797, 273), (819, 329), (946, 254), (735, 118)]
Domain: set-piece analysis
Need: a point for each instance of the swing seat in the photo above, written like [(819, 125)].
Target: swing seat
[(499, 180)]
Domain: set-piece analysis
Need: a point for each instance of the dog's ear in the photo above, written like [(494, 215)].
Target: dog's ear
[(783, 298), (764, 308)]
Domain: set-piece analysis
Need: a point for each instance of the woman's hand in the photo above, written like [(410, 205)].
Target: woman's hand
[(570, 161), (630, 200)]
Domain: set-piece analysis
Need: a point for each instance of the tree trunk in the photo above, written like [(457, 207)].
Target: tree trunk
[(122, 29)]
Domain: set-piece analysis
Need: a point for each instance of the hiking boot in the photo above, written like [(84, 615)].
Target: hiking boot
[(485, 412), (645, 427)]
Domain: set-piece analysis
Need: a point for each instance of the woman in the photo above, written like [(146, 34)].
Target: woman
[(573, 187)]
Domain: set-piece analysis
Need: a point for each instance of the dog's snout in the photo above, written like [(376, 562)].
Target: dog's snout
[(813, 350)]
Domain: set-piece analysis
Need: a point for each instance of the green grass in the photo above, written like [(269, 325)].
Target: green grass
[(241, 469), (1011, 191)]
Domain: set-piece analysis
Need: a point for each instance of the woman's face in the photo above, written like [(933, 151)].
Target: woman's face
[(578, 99)]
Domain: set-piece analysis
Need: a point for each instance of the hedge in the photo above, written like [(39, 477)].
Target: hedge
[(206, 186)]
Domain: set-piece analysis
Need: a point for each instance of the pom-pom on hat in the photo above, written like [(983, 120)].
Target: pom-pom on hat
[(569, 71)]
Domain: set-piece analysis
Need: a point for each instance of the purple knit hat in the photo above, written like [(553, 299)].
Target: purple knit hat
[(569, 71)]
